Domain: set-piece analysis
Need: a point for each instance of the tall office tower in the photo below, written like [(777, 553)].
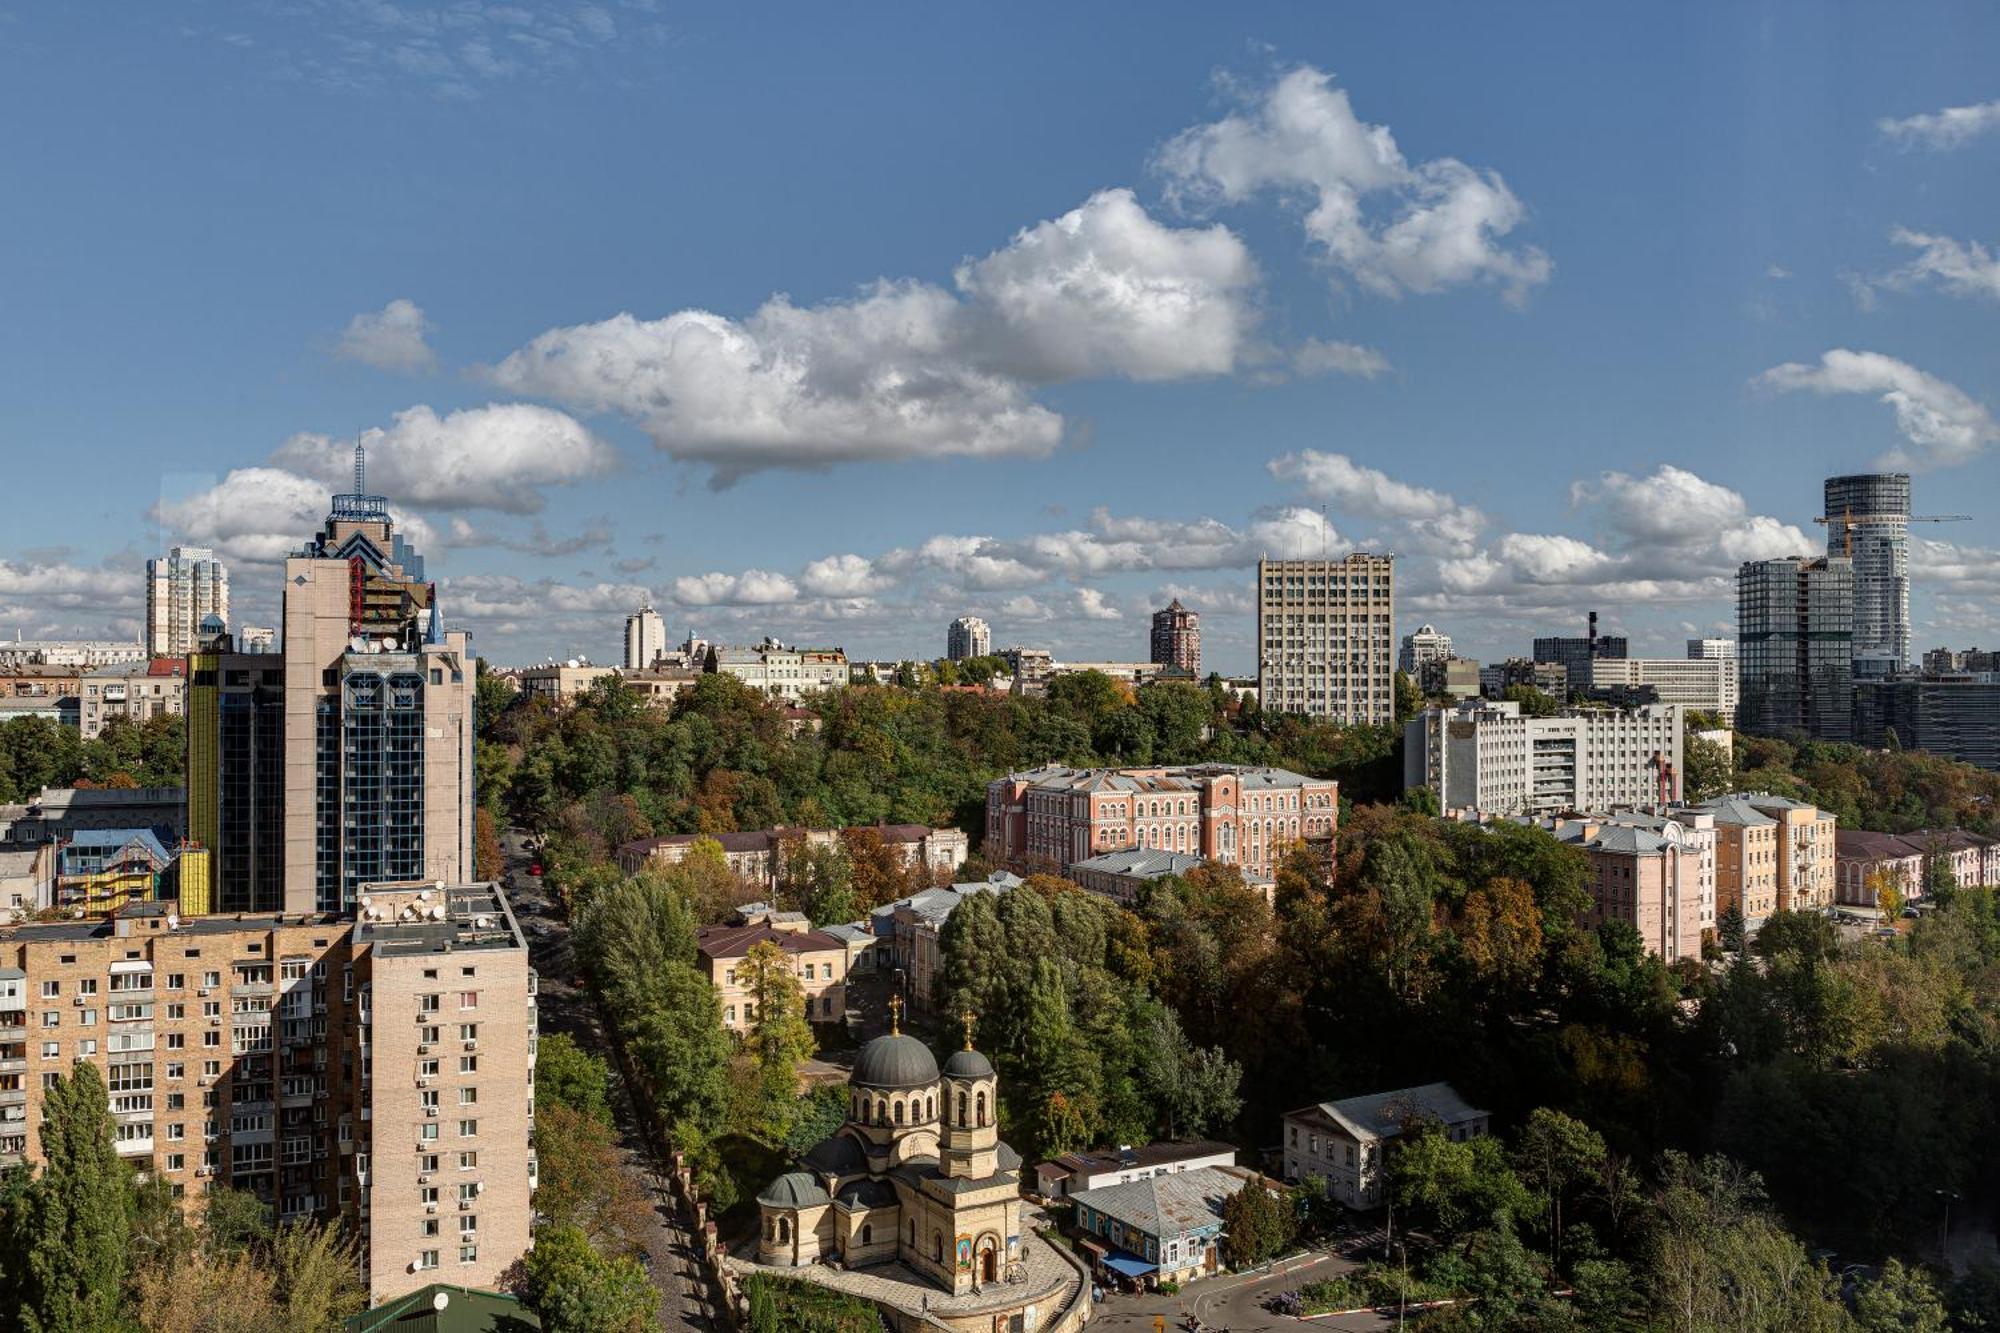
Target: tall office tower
[(183, 589), (1326, 642), (1177, 637), (1795, 646), (1704, 649), (235, 777), (967, 637), (1575, 655), (378, 714), (1868, 522), (645, 638), (1428, 644)]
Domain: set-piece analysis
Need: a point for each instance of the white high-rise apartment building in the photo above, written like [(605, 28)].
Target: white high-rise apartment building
[(967, 637), (1486, 757), (1701, 648), (1428, 644), (1326, 643), (182, 589), (645, 638)]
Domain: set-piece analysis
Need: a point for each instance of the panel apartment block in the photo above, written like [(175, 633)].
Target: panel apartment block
[(1326, 638)]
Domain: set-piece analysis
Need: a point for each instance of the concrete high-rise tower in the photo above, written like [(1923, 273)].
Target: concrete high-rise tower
[(183, 588), (645, 638), (1326, 642), (1868, 522), (967, 637)]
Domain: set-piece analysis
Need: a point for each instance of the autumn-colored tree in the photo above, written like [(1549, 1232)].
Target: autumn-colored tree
[(580, 1183), (486, 858), (879, 875), (1500, 929), (1887, 894)]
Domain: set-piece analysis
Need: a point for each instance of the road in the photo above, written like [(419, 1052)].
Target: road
[(1233, 1304), (670, 1256)]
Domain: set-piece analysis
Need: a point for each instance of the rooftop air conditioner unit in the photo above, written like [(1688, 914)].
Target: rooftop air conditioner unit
[(423, 1180), (471, 1045), (430, 1110)]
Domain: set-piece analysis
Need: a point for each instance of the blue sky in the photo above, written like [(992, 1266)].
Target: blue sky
[(834, 322)]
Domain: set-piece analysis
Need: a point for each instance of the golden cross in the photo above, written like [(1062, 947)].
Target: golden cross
[(895, 1014), (969, 1020)]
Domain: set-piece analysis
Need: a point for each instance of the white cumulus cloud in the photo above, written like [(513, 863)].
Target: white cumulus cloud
[(392, 338), (909, 369), (1318, 356), (495, 457), (1391, 225), (1941, 424), (753, 587)]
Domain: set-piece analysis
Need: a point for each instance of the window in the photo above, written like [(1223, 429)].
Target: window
[(468, 1064), (468, 999), (427, 1259), (427, 1133), (51, 990), (468, 1129), (468, 1254), (467, 1191), (427, 1004), (468, 1161), (468, 1032)]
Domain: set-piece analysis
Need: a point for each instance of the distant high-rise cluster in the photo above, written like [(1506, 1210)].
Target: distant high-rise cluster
[(1326, 642), (183, 588), (967, 637), (1177, 637)]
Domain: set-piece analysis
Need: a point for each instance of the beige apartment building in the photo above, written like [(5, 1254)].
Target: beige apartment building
[(1326, 638), (134, 690), (1746, 859), (1807, 860), (757, 857), (820, 959), (295, 1057), (558, 683)]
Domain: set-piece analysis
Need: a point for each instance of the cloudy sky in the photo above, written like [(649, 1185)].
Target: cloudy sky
[(835, 322)]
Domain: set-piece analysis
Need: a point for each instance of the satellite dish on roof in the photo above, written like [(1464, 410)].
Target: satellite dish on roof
[(440, 1300)]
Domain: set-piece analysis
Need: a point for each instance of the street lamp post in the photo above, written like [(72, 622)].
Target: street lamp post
[(1944, 1234)]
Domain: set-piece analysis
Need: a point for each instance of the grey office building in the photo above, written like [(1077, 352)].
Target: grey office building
[(1795, 647), (1868, 521)]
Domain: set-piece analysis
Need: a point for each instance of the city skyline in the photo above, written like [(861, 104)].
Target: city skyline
[(1154, 351)]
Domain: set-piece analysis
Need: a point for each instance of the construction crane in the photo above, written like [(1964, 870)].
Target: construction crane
[(1850, 520)]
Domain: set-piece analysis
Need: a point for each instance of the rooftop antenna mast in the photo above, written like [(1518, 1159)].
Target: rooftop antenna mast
[(360, 470)]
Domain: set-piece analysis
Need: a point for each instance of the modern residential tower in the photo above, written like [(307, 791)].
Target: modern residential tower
[(1177, 637), (1427, 644), (1795, 635), (1326, 642), (183, 588), (967, 637), (645, 639), (1868, 522)]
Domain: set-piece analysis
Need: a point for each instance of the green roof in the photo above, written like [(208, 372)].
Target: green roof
[(466, 1310)]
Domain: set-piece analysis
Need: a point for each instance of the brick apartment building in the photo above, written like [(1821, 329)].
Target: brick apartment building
[(378, 1070), (1047, 819)]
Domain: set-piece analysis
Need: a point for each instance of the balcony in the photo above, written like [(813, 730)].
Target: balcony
[(251, 988), (18, 1097)]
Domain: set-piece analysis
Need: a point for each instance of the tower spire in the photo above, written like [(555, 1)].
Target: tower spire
[(360, 470), (969, 1019), (895, 1015)]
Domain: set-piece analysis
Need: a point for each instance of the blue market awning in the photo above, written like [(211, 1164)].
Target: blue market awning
[(1129, 1265)]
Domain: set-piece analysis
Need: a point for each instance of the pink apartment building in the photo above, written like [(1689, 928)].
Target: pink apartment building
[(1046, 819)]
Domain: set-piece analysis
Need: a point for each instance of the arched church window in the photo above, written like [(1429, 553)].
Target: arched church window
[(913, 1233), (784, 1228), (979, 1102), (961, 1109), (899, 1113), (930, 1108), (937, 1247), (867, 1233)]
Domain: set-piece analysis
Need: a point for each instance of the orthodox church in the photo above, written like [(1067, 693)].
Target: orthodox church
[(917, 1175)]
